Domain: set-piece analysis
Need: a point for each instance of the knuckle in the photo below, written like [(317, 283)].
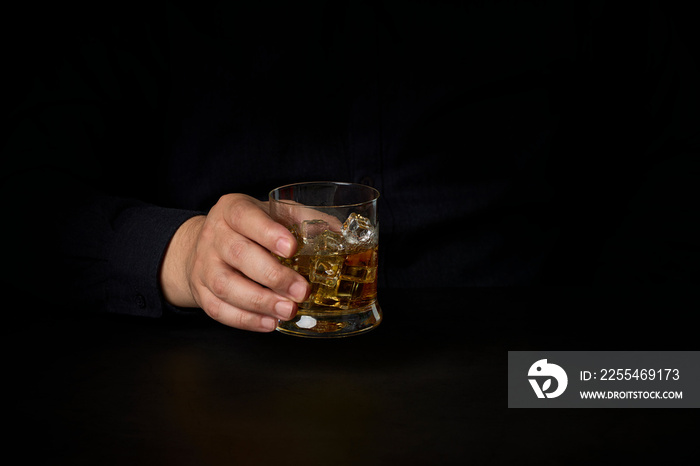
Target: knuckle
[(219, 284), (239, 319), (212, 307), (271, 231), (207, 232), (238, 250), (257, 301), (228, 199), (236, 209), (273, 274), (243, 320)]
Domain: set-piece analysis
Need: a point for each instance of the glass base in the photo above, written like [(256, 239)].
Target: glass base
[(332, 324)]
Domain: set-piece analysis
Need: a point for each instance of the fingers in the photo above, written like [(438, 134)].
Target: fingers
[(237, 290), (248, 236), (231, 298), (259, 265), (234, 316), (232, 274), (246, 216)]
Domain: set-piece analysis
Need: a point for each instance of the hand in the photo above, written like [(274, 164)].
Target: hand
[(221, 262)]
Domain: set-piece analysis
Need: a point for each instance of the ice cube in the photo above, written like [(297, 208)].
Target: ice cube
[(325, 295), (325, 269), (358, 231), (300, 263), (359, 274), (347, 291), (328, 242), (310, 229), (361, 267)]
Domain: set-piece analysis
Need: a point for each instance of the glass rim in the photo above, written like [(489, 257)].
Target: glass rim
[(290, 202)]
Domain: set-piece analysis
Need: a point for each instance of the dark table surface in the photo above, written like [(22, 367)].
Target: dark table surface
[(429, 386)]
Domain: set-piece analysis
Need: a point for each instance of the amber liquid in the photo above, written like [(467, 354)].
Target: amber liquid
[(340, 283)]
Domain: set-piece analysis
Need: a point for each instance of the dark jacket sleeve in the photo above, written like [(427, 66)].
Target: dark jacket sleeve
[(83, 250), (113, 254)]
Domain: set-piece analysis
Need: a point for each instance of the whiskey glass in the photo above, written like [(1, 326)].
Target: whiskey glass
[(337, 232)]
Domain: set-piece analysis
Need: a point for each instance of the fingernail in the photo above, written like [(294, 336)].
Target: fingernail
[(298, 291), (284, 247), (268, 323), (284, 309)]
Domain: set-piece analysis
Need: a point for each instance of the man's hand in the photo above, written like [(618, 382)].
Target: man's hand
[(221, 262)]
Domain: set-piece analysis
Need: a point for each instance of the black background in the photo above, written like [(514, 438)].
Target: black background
[(428, 386)]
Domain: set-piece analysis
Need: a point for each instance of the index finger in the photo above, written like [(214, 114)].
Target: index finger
[(248, 217)]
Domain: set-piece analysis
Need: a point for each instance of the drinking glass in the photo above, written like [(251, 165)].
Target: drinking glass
[(336, 228)]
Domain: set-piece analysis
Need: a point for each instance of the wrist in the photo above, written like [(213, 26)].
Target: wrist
[(174, 270)]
